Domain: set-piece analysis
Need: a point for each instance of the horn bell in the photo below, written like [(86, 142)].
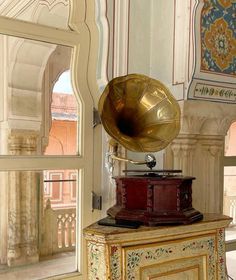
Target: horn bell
[(139, 112)]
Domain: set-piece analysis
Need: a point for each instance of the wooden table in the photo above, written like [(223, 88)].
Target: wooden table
[(193, 251)]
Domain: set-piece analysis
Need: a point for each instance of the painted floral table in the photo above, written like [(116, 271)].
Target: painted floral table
[(195, 251)]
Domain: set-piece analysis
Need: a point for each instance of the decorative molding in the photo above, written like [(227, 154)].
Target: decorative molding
[(192, 124), (199, 150), (52, 3), (215, 93), (183, 152), (23, 142), (121, 37), (181, 41), (30, 10), (210, 118), (156, 254), (55, 18), (102, 23), (39, 32)]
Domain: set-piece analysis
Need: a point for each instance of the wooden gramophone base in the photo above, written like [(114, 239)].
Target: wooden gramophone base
[(122, 216), (154, 200)]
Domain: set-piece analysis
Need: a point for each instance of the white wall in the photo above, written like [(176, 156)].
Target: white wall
[(162, 20), (160, 42), (151, 41), (139, 57)]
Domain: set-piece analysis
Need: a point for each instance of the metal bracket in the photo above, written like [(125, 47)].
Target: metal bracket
[(96, 201), (96, 117)]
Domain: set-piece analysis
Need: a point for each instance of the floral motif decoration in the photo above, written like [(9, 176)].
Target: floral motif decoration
[(95, 261), (115, 262), (218, 36), (225, 3), (210, 245), (136, 258), (221, 254)]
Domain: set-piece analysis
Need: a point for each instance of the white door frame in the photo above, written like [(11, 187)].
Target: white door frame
[(84, 66)]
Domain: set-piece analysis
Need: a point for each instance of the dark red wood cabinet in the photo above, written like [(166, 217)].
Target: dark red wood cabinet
[(154, 200)]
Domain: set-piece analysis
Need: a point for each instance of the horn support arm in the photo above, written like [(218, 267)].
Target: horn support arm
[(150, 160)]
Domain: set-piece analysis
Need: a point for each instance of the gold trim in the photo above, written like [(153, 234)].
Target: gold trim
[(178, 260), (202, 264), (147, 240), (170, 242), (123, 236), (175, 271)]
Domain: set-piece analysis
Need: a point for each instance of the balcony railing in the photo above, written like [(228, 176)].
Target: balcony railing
[(59, 230), (230, 208)]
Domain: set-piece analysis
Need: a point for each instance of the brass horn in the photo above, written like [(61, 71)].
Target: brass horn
[(140, 113)]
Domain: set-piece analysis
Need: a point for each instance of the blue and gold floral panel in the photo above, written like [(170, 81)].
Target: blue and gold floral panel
[(214, 75)]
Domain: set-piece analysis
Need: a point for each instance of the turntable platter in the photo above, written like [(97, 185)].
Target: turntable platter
[(152, 173)]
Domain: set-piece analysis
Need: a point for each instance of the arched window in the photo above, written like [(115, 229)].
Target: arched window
[(60, 185), (64, 116), (230, 195)]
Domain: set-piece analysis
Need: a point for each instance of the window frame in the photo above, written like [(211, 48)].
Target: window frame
[(79, 41), (230, 245)]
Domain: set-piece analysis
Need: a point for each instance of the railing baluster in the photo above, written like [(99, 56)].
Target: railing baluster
[(73, 233), (63, 224), (63, 233), (233, 208), (230, 208), (59, 234), (69, 232)]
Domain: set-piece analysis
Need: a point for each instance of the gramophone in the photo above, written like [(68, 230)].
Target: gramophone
[(141, 114)]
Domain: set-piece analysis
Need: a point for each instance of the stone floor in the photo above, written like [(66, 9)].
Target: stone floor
[(231, 264), (60, 264)]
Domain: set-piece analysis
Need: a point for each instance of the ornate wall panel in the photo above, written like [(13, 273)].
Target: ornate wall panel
[(215, 51), (218, 37)]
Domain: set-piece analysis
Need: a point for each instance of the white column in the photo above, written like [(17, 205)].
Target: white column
[(14, 224), (212, 179), (121, 35), (22, 246)]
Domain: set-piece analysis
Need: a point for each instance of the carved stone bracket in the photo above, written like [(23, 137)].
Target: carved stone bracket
[(22, 143), (199, 150), (183, 149)]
